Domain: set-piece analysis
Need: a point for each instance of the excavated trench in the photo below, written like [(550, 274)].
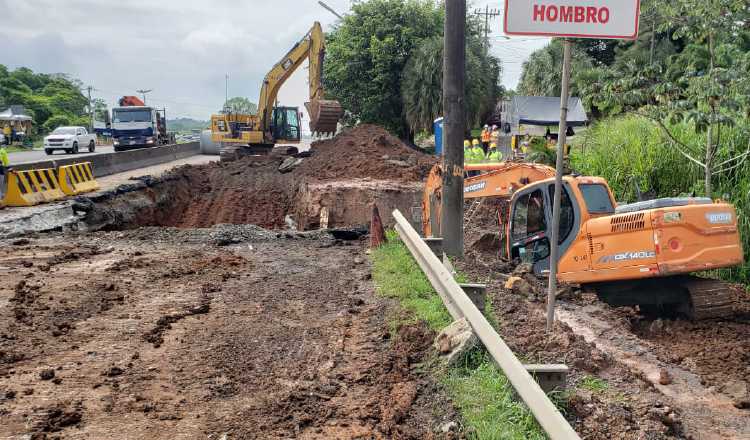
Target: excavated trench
[(334, 187)]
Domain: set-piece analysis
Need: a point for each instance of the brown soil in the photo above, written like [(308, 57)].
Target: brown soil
[(366, 151), (346, 174), (159, 333)]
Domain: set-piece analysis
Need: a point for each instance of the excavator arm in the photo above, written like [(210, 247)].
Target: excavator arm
[(324, 114), (500, 180)]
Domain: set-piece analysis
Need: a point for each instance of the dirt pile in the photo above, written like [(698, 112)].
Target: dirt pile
[(366, 151), (344, 175)]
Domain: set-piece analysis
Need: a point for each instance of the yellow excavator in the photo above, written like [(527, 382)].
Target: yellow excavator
[(257, 134)]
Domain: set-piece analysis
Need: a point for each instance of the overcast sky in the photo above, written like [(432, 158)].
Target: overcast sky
[(182, 49)]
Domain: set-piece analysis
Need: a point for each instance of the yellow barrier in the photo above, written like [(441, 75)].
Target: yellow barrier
[(32, 187), (77, 179)]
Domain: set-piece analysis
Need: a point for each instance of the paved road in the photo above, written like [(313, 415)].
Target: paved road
[(37, 155)]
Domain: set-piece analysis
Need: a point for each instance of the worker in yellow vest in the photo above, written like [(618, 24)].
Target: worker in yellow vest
[(7, 134), (468, 152), (4, 164), (476, 151), (494, 155)]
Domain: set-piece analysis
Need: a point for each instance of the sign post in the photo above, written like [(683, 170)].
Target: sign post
[(598, 19)]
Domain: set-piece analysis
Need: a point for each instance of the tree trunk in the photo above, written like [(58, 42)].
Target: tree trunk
[(709, 158)]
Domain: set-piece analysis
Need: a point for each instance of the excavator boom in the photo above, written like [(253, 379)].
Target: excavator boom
[(324, 114)]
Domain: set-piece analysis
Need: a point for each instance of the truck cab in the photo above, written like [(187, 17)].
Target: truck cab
[(138, 127)]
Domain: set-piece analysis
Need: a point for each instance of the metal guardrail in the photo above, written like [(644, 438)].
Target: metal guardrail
[(460, 306)]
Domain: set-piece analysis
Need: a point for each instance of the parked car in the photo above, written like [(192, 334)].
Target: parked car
[(70, 139)]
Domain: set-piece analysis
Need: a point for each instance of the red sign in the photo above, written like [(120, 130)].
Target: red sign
[(600, 19)]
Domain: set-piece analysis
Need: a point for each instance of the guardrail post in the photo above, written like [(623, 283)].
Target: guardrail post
[(550, 377), (477, 293), (436, 245), (460, 306)]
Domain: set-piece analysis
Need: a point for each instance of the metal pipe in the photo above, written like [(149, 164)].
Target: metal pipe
[(555, 235)]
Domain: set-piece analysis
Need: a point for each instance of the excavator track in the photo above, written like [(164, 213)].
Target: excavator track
[(692, 297), (709, 299), (324, 115)]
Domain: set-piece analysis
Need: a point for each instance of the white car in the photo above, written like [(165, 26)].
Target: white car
[(70, 139)]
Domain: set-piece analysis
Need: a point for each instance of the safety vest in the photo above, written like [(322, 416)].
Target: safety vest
[(495, 136), (494, 156), (478, 154), (4, 157), (469, 155), (485, 136)]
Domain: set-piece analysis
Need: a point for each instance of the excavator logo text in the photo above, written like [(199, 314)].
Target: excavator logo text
[(475, 187), (627, 256)]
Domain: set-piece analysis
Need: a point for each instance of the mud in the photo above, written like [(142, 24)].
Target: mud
[(704, 364), (162, 333)]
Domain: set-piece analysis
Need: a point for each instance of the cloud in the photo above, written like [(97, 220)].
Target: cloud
[(182, 49)]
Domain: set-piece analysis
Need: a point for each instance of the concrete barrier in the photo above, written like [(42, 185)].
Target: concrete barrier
[(113, 163)]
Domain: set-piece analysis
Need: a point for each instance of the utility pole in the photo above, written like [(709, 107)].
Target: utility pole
[(487, 13), (226, 90), (91, 109), (561, 139), (143, 93), (454, 77)]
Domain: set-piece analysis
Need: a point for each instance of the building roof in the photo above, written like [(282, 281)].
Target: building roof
[(545, 111), (15, 113)]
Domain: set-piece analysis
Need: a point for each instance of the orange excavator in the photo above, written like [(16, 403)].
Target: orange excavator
[(637, 254)]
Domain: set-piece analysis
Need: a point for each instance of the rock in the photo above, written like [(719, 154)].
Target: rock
[(523, 269), (455, 340), (519, 286), (290, 223), (113, 371), (398, 163), (21, 242), (665, 378), (289, 164), (448, 427), (47, 374)]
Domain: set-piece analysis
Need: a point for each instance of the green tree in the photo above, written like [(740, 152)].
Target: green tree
[(542, 73), (56, 121), (240, 105), (367, 53), (423, 76)]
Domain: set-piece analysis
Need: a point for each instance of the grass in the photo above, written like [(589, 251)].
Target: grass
[(593, 384), (487, 402), (480, 391), (398, 276)]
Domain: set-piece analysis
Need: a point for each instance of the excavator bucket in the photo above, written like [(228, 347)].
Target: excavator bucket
[(324, 115)]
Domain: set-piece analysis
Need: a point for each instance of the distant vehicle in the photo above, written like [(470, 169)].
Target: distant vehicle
[(135, 125), (70, 139)]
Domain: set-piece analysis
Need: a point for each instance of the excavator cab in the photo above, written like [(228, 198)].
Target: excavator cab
[(286, 124), (530, 229)]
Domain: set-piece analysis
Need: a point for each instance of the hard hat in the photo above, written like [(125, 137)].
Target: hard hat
[(475, 142), (494, 127), (493, 145), (486, 126), (467, 144)]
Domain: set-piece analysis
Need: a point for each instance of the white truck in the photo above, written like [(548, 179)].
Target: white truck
[(70, 139)]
